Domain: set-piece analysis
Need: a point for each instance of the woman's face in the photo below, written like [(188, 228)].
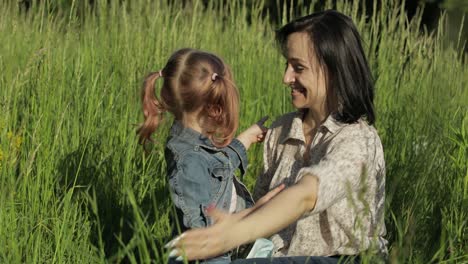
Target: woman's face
[(303, 74)]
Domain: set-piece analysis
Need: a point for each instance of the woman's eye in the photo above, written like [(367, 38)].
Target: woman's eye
[(298, 68)]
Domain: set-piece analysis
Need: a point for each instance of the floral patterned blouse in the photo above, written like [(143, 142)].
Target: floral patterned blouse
[(348, 161)]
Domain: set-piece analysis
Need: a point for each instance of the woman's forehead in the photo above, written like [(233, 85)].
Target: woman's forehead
[(299, 47)]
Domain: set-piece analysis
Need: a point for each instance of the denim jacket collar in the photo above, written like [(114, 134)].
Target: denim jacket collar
[(190, 135)]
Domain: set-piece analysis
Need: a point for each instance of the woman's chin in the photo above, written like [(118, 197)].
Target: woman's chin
[(299, 105)]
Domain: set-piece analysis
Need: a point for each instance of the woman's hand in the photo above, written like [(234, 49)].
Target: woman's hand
[(253, 134), (204, 243)]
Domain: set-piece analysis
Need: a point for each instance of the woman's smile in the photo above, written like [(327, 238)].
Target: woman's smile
[(295, 91)]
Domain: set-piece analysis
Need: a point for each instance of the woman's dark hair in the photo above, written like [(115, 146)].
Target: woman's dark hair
[(337, 47)]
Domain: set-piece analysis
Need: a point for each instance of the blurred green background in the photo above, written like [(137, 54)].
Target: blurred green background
[(75, 187)]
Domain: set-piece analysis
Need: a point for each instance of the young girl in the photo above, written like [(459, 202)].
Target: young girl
[(201, 153)]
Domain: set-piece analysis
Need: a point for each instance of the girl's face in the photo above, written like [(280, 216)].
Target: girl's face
[(303, 74)]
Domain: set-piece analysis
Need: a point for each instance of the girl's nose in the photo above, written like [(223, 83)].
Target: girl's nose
[(288, 77)]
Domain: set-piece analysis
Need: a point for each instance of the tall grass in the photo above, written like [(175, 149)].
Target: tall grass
[(76, 188)]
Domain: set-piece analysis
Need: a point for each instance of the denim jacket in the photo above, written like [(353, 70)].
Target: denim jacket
[(200, 174)]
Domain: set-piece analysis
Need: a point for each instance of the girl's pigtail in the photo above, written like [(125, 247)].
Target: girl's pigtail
[(231, 110), (152, 108), (224, 114)]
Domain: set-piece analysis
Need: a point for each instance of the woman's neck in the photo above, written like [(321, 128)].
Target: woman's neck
[(313, 119)]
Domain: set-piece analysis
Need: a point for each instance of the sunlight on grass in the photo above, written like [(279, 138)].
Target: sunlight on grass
[(75, 187)]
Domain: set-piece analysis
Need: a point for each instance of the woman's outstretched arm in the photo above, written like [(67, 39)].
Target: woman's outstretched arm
[(230, 231)]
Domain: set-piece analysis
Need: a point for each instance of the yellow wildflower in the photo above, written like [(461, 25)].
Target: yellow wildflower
[(17, 142)]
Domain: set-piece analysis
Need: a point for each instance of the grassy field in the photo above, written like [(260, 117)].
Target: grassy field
[(75, 187)]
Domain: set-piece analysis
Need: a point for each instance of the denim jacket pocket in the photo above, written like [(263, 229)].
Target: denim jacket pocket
[(220, 177)]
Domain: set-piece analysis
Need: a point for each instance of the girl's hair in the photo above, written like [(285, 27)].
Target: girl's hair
[(193, 79), (337, 46)]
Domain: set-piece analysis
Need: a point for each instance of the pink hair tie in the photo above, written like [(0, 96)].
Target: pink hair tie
[(160, 73), (213, 77)]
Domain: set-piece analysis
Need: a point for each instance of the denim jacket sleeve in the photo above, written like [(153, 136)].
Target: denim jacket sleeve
[(191, 185), (238, 155)]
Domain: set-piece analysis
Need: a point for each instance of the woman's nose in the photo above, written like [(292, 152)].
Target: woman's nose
[(288, 77)]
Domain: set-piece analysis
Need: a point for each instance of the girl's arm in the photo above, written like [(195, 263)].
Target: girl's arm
[(233, 230), (253, 134), (237, 149)]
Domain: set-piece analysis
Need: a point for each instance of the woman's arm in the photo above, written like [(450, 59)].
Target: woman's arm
[(230, 231)]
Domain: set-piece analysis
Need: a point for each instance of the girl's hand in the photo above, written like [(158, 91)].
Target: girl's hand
[(204, 243), (253, 134)]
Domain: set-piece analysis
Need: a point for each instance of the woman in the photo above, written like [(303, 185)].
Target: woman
[(327, 153)]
